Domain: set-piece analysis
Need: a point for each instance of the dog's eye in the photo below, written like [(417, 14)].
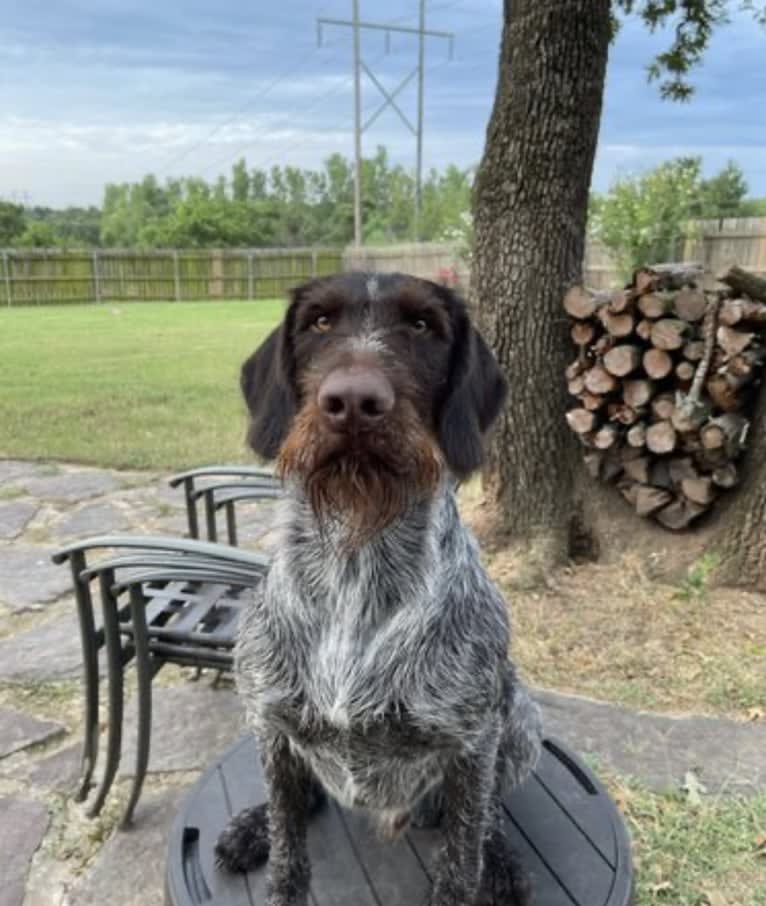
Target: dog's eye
[(419, 326), (321, 324)]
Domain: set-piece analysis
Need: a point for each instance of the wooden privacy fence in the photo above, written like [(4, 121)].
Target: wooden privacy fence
[(46, 277)]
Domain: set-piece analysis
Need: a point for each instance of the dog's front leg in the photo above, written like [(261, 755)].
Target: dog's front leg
[(289, 781), (469, 783)]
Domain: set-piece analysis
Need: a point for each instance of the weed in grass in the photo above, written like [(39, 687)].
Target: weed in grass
[(694, 587)]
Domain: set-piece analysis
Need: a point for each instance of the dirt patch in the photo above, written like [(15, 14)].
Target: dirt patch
[(620, 631)]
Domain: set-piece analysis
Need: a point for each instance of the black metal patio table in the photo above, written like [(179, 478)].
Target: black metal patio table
[(561, 822)]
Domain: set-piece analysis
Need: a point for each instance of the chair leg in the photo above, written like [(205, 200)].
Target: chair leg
[(115, 665), (191, 508), (212, 528), (88, 638), (231, 523), (144, 674)]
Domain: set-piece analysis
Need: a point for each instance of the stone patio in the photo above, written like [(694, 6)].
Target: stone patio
[(50, 853)]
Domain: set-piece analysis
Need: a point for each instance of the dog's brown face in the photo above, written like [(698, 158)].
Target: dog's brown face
[(368, 389)]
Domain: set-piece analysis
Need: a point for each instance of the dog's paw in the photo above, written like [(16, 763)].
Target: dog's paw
[(244, 842)]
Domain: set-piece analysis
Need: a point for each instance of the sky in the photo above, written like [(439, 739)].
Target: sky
[(98, 91)]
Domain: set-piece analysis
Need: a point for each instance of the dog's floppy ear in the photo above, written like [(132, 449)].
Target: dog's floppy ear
[(476, 392), (266, 382)]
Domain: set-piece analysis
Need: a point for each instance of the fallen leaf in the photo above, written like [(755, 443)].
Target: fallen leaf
[(662, 887), (760, 845), (693, 787), (755, 713), (715, 898)]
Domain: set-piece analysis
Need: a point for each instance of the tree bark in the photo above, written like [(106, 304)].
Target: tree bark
[(531, 199), (741, 530)]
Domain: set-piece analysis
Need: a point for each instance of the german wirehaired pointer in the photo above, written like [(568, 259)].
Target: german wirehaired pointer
[(374, 665)]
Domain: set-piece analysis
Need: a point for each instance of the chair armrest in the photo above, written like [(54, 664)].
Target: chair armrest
[(204, 549), (223, 471)]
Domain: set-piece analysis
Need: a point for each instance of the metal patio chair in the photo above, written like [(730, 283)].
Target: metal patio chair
[(162, 600)]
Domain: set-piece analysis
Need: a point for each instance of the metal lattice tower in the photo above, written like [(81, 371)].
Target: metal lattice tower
[(357, 25)]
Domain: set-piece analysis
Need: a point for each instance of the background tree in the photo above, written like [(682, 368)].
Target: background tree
[(530, 208), (11, 221)]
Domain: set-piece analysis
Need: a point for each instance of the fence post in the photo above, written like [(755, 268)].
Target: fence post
[(313, 262), (96, 282), (250, 277), (7, 272), (176, 276)]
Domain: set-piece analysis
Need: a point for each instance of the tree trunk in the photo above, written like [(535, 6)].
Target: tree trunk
[(741, 531), (530, 202)]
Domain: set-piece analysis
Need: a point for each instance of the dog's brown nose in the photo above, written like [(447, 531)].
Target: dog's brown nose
[(355, 398)]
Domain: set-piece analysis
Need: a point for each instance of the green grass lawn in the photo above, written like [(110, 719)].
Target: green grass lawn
[(128, 385)]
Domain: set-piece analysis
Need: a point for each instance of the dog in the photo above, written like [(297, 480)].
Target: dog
[(374, 664)]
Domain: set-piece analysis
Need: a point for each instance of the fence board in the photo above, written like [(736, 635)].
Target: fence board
[(41, 276)]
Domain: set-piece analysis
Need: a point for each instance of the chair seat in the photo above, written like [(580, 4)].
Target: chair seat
[(562, 824)]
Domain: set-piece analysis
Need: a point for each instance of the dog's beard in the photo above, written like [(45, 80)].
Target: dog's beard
[(363, 482)]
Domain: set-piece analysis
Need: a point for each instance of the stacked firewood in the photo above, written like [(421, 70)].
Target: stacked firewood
[(665, 380)]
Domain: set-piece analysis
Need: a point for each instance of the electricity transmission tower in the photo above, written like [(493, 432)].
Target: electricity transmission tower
[(422, 32)]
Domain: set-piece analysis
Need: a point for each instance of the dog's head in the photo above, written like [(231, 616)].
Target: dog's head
[(369, 388)]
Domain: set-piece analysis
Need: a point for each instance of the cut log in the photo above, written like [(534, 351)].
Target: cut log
[(603, 344), (649, 500), (657, 363), (637, 393), (593, 460), (621, 301), (582, 303), (574, 369), (743, 368), (591, 401), (605, 437), (576, 385), (685, 374), (661, 437), (598, 380), (636, 436), (725, 432), (699, 490), (617, 325), (644, 329), (743, 281), (663, 406), (582, 333), (694, 350), (581, 421), (733, 341), (679, 514), (726, 476), (682, 468), (668, 276), (690, 305), (668, 333), (723, 395), (623, 359), (626, 415), (638, 469), (733, 311), (655, 305)]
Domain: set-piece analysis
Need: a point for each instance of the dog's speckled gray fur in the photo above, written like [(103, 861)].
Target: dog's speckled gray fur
[(385, 673)]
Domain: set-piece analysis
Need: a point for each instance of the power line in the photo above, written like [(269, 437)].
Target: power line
[(285, 74)]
